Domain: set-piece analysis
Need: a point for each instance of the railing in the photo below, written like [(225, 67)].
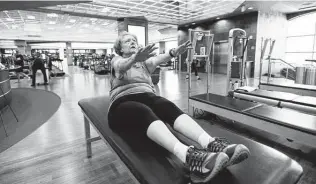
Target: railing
[(280, 61)]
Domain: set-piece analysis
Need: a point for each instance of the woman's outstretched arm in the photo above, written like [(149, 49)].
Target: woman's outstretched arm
[(153, 62)]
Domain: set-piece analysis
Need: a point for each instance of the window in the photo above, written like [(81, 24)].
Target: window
[(301, 39)]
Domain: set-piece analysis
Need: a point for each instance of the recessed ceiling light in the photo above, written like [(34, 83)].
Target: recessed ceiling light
[(31, 17), (52, 15), (217, 18), (72, 20), (250, 8), (10, 19), (52, 22), (105, 24), (93, 19), (193, 23)]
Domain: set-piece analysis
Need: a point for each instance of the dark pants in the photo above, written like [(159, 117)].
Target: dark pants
[(35, 67), (194, 68), (134, 113)]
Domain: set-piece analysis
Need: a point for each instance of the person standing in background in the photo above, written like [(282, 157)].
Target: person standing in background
[(38, 64), (19, 61), (193, 69)]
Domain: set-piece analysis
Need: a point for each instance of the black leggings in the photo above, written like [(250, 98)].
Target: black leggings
[(134, 113)]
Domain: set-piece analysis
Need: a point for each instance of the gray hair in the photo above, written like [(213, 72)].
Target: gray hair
[(118, 42)]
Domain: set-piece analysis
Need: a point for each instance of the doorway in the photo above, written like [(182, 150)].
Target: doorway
[(220, 57)]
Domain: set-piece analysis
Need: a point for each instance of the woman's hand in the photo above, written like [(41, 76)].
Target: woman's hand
[(182, 48), (144, 53)]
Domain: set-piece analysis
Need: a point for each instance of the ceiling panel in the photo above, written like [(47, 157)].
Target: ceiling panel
[(171, 12), (76, 20)]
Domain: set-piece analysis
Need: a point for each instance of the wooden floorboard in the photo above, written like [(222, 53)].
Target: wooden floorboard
[(55, 153)]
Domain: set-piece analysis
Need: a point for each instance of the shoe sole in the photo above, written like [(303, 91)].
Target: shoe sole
[(220, 163), (241, 153)]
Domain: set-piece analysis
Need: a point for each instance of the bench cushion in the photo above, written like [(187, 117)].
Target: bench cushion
[(224, 102), (275, 95), (286, 117), (152, 164)]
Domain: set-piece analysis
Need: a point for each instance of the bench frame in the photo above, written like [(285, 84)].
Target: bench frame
[(89, 140), (282, 131)]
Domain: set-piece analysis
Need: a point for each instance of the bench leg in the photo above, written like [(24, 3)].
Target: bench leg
[(88, 136)]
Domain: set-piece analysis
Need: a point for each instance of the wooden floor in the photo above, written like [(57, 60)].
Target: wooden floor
[(55, 152)]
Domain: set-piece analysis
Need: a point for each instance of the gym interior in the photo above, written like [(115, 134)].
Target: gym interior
[(248, 75)]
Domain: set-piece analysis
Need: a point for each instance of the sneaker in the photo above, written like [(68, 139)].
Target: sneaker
[(45, 83), (198, 78), (236, 152), (200, 160), (187, 77)]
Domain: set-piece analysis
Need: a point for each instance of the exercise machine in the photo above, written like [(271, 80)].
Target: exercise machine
[(237, 56), (202, 45), (149, 163)]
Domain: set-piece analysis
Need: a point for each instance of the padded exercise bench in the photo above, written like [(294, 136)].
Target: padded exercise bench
[(150, 163), (299, 89), (305, 104), (286, 123)]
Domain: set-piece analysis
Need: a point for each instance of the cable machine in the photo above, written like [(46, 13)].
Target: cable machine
[(202, 44), (237, 55)]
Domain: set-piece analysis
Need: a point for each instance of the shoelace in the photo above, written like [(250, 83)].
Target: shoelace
[(196, 159), (218, 145)]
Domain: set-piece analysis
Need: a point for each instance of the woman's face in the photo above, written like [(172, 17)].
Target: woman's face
[(129, 45)]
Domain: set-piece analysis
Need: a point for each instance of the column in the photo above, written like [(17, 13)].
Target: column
[(21, 44), (69, 53), (136, 26), (28, 50), (162, 47)]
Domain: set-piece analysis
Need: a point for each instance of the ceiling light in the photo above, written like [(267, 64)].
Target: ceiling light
[(31, 17), (93, 19), (10, 19), (193, 23), (52, 15), (250, 8), (14, 26), (5, 11), (52, 22), (68, 27), (105, 24), (217, 18), (72, 20)]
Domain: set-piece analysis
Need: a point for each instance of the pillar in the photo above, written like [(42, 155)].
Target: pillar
[(69, 53), (21, 44), (28, 50), (162, 47), (137, 26)]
